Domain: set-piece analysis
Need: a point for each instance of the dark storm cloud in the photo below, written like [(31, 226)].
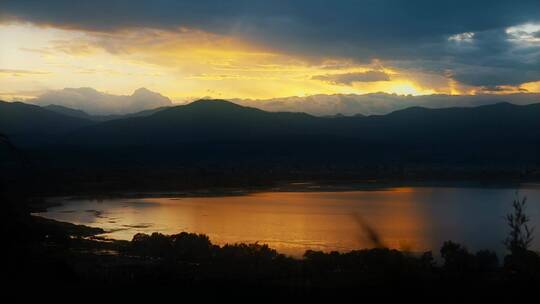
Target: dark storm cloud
[(349, 78), (406, 31), (493, 76), (377, 19)]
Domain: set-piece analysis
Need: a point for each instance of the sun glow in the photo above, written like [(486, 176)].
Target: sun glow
[(184, 64), (407, 88)]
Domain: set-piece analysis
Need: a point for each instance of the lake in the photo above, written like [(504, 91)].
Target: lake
[(407, 218)]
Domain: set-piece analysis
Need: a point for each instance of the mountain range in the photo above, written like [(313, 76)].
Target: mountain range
[(216, 130), (98, 118)]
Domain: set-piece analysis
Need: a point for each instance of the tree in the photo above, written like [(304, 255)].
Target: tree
[(520, 236)]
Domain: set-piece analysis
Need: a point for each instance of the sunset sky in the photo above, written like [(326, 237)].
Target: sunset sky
[(268, 49)]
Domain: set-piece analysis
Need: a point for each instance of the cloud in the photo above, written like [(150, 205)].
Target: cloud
[(379, 103), (495, 76), (19, 72), (495, 89), (350, 78), (439, 36), (462, 37), (99, 103)]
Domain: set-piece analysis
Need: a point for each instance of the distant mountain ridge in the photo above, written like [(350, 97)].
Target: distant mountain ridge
[(98, 118), (218, 129), (99, 103), (199, 121), (380, 103)]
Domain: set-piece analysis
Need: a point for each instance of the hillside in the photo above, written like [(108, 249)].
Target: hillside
[(201, 121), (225, 132), (32, 125), (491, 134), (99, 118)]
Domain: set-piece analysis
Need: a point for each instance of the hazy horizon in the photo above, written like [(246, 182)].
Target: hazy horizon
[(94, 102)]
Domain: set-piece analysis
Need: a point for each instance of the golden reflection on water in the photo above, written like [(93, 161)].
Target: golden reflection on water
[(415, 219), (290, 222)]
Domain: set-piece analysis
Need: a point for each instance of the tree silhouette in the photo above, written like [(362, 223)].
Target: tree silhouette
[(520, 236)]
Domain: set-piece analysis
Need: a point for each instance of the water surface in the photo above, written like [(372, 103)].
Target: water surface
[(410, 218)]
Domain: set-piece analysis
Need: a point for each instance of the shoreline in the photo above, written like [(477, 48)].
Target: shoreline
[(291, 186)]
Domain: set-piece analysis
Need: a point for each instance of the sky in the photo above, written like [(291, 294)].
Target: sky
[(258, 49)]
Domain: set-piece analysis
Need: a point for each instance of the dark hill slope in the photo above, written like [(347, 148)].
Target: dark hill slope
[(201, 121), (31, 125), (223, 131), (99, 118), (491, 134)]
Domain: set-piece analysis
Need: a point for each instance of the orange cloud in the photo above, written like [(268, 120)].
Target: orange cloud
[(185, 63)]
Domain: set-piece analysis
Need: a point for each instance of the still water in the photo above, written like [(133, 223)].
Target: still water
[(415, 219)]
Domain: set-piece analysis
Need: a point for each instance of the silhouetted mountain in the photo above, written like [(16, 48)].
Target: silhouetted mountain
[(497, 124), (137, 114), (222, 131), (338, 115), (29, 124), (200, 121), (68, 111), (99, 118), (494, 133)]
